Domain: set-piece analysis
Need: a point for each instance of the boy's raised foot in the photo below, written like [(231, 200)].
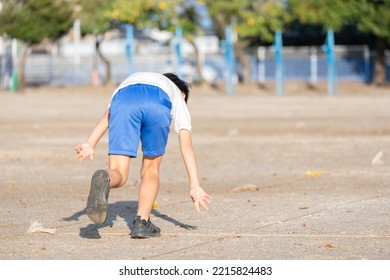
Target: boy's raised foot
[(97, 204)]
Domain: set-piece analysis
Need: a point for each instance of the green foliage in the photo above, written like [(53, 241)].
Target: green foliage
[(93, 15), (251, 18), (226, 11), (34, 20), (369, 16), (145, 13), (188, 18), (373, 17), (332, 14), (262, 19), (163, 14)]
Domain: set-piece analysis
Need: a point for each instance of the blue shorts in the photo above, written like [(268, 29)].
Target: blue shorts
[(139, 112)]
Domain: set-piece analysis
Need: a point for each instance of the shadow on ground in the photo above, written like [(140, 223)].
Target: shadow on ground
[(127, 210)]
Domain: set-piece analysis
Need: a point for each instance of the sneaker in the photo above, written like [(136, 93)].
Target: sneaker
[(97, 205), (144, 229)]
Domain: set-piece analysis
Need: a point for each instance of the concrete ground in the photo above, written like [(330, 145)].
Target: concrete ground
[(292, 178)]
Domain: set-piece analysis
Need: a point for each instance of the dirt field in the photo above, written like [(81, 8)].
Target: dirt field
[(305, 159)]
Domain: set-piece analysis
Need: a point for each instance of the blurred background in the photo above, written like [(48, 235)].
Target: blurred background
[(101, 42)]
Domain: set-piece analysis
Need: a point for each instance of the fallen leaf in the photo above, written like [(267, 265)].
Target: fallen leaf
[(155, 205), (37, 227), (312, 173), (243, 188), (328, 246), (378, 159), (233, 132)]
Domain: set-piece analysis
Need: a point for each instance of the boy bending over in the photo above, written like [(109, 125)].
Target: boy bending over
[(142, 108)]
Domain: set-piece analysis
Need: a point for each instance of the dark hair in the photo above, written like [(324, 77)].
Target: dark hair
[(182, 85)]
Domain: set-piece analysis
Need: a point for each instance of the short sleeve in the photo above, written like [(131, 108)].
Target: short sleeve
[(181, 115)]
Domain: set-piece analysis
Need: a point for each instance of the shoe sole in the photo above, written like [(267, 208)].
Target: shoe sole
[(139, 233), (144, 236), (97, 204)]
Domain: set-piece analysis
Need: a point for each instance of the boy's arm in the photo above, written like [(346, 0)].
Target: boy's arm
[(87, 149), (198, 195)]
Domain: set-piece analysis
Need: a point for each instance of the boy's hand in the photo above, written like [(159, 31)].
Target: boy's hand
[(83, 151), (200, 198)]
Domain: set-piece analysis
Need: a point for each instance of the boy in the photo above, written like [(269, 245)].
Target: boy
[(142, 108)]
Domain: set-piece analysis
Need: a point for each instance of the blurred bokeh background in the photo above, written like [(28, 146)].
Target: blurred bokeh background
[(230, 42)]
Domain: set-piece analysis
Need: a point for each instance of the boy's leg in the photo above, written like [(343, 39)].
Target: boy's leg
[(102, 181), (143, 227), (97, 205), (149, 185), (118, 169)]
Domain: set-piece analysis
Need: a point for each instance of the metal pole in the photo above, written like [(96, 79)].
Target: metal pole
[(76, 48), (229, 57), (279, 73), (129, 47), (50, 67), (8, 63), (313, 65), (261, 64), (367, 64), (2, 60), (178, 48), (329, 49), (14, 82)]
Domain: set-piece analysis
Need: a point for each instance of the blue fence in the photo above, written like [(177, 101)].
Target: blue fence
[(352, 65), (298, 69)]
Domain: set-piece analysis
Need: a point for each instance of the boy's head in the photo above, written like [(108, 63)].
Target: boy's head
[(182, 85)]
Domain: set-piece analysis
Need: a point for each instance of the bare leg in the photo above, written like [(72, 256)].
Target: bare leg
[(149, 185), (118, 170), (102, 181)]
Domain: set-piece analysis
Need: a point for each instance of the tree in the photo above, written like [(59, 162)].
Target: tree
[(188, 19), (369, 16), (32, 21), (94, 21), (161, 14), (145, 13), (331, 14), (251, 19), (373, 17)]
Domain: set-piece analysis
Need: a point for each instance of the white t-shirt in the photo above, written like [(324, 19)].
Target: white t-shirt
[(180, 114)]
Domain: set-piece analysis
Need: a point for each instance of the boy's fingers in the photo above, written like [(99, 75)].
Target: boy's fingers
[(81, 158), (201, 199), (204, 205), (196, 203), (201, 203)]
